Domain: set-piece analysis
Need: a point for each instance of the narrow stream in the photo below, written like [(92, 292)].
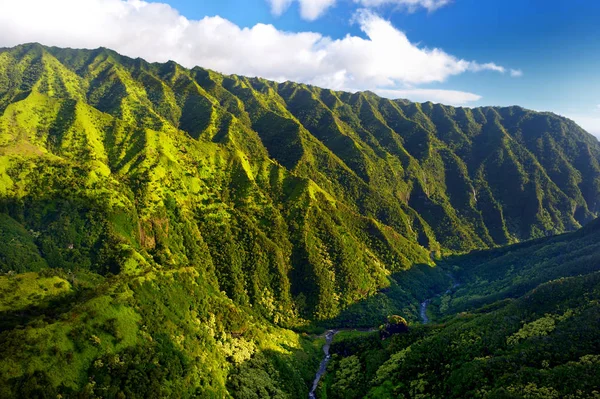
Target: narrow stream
[(323, 367), (331, 333), (423, 312), (328, 339), (425, 303)]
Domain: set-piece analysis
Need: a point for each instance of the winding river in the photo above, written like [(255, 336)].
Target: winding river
[(425, 303), (331, 333), (323, 367), (328, 339)]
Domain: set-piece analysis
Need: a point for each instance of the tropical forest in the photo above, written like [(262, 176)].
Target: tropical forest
[(173, 232)]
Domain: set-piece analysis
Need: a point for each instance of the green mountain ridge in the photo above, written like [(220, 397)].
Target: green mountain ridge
[(156, 215)]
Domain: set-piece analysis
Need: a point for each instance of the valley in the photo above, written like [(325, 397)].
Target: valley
[(174, 232), (538, 338)]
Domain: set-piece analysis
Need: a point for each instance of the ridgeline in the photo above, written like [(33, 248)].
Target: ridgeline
[(168, 232)]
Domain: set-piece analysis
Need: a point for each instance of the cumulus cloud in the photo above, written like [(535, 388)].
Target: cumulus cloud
[(278, 7), (490, 66), (384, 59), (309, 9)]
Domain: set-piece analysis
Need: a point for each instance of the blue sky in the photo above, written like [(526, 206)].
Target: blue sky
[(541, 54)]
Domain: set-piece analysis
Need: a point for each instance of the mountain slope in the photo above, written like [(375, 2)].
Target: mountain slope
[(339, 189), (183, 219)]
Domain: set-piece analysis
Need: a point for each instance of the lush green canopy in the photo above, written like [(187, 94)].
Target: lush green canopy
[(162, 229)]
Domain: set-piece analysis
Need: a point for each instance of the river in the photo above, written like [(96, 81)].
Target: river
[(425, 303), (331, 333), (328, 339), (323, 367), (423, 311)]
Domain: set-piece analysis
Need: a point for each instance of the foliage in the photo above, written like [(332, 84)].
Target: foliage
[(163, 229), (543, 343)]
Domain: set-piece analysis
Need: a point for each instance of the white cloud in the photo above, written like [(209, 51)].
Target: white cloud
[(309, 9), (598, 106), (410, 5), (448, 97), (278, 7), (313, 9), (384, 60), (516, 73), (490, 66)]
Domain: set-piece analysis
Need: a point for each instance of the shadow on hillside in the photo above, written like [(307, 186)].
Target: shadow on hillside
[(47, 311), (403, 297)]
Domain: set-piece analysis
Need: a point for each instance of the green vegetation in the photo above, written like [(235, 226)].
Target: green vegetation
[(29, 289), (537, 339), (167, 232)]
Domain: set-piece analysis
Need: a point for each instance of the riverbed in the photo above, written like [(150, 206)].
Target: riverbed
[(425, 303), (329, 335), (323, 367)]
